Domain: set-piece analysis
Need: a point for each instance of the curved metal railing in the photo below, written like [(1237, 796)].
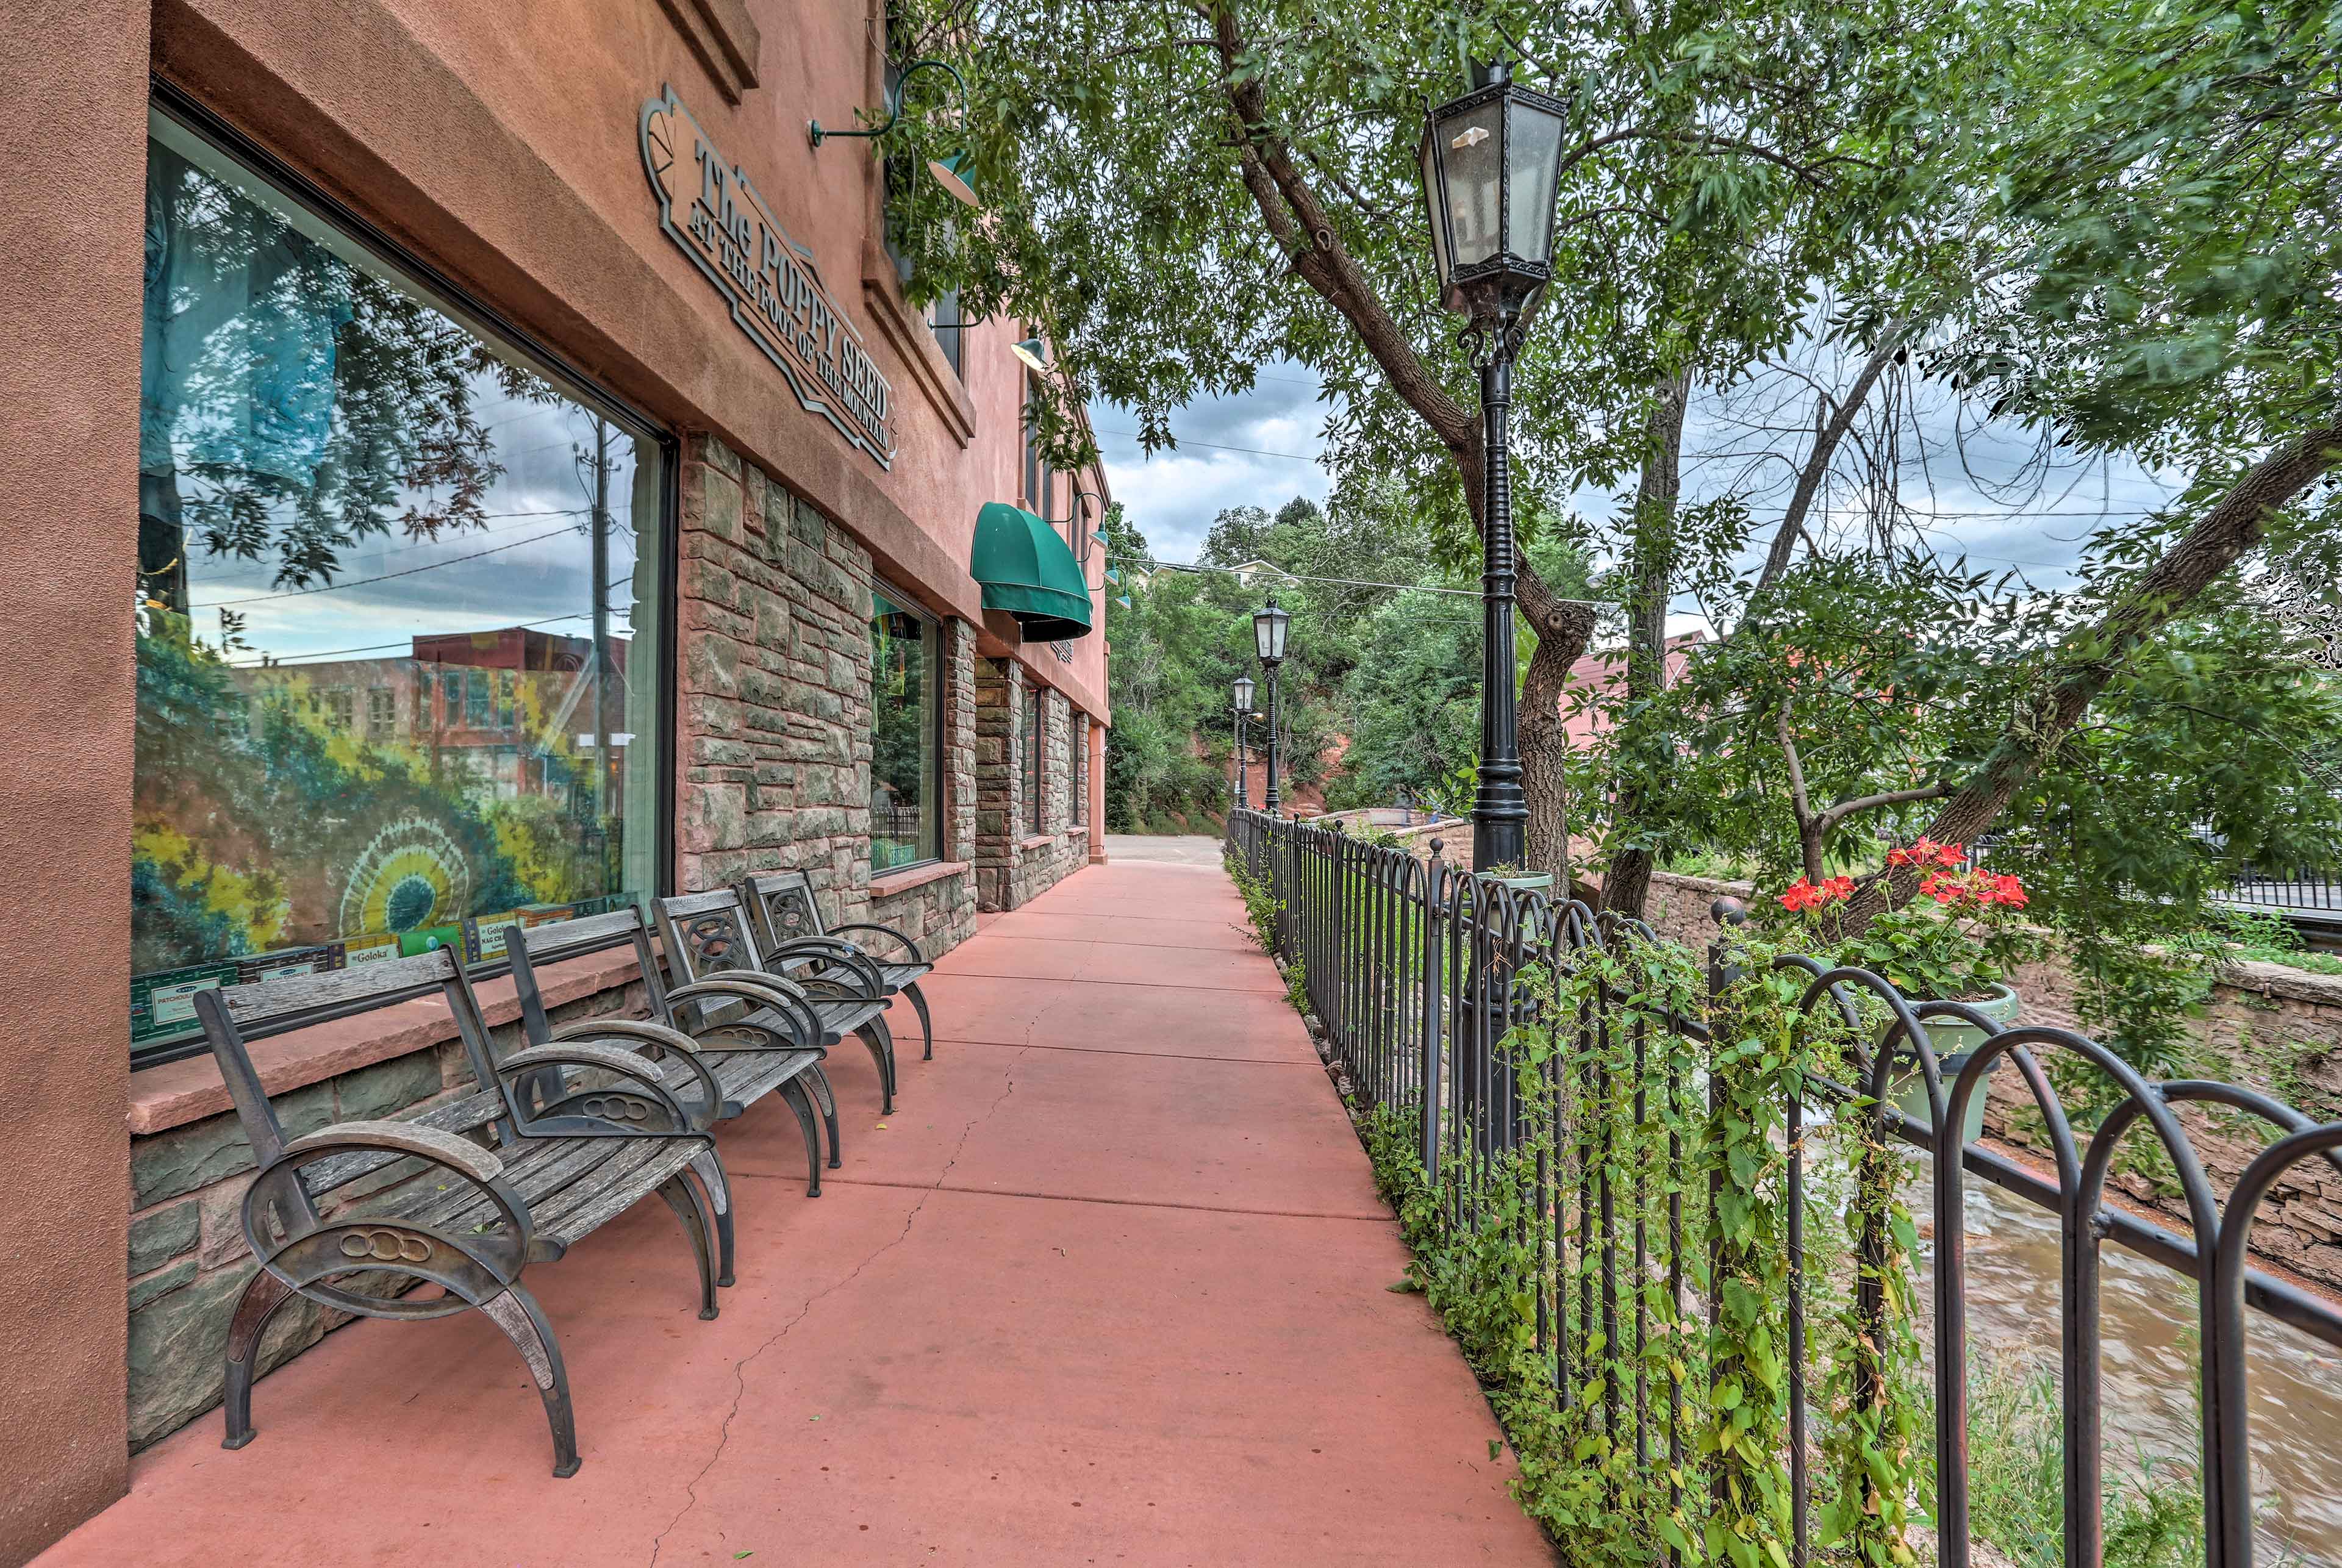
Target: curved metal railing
[(1420, 971)]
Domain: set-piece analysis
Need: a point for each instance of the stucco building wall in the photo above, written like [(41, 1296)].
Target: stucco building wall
[(69, 334), (500, 147)]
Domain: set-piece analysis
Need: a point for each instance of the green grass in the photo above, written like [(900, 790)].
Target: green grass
[(2017, 1498)]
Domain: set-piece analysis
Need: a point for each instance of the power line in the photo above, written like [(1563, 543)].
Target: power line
[(382, 577), (266, 663), (1215, 446), (1339, 582)]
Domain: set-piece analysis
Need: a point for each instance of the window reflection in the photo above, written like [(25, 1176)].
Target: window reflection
[(905, 827), (378, 691)]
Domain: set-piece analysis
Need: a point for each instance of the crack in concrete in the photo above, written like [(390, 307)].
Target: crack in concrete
[(740, 1367)]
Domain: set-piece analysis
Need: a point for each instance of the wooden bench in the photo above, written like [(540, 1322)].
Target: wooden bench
[(788, 920), (464, 1195), (749, 1059), (709, 937)]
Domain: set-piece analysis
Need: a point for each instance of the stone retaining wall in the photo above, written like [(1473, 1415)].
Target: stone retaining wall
[(2264, 1027)]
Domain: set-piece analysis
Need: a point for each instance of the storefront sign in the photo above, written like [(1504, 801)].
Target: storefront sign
[(709, 206)]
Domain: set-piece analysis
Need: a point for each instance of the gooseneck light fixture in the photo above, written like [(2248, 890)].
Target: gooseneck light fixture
[(1269, 629), (1030, 351), (1491, 171), (950, 171)]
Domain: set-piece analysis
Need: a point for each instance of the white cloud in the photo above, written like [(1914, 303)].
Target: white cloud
[(1172, 496)]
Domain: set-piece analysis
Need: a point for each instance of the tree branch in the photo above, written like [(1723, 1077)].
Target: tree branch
[(1831, 432), (2089, 658), (1305, 231), (1847, 808)]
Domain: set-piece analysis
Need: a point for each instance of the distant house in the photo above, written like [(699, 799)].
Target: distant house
[(1598, 681)]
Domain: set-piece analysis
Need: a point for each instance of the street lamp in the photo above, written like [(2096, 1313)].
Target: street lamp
[(1491, 165), (1268, 626), (1242, 707)]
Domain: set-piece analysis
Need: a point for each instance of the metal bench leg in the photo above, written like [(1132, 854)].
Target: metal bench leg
[(719, 1197), (880, 1041), (263, 1294), (802, 1105), (683, 1195), (926, 1025), (827, 1098), (515, 1311)]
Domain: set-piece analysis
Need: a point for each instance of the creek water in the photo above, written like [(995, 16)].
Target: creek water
[(2150, 1371)]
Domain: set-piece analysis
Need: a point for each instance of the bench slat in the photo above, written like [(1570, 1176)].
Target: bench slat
[(563, 936), (464, 1115), (262, 1000)]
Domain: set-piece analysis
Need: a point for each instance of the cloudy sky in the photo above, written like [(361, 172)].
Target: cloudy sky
[(1966, 488), (526, 564)]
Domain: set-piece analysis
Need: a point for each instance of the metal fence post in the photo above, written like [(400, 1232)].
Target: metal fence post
[(1434, 891)]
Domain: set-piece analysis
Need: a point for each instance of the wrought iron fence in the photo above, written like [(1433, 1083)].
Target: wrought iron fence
[(1424, 975)]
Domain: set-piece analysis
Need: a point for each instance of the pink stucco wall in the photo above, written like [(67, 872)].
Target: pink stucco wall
[(498, 142)]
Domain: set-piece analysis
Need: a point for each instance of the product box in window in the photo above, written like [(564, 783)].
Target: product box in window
[(430, 939), (373, 949), (483, 936), (163, 1004), (289, 961)]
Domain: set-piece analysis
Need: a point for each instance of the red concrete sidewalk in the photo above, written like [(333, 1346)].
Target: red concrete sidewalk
[(1107, 1288)]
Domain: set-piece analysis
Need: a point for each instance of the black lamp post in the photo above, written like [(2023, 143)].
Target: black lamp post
[(1491, 165), (1269, 627), (1243, 705)]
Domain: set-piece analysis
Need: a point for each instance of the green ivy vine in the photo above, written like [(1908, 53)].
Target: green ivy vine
[(1670, 1436)]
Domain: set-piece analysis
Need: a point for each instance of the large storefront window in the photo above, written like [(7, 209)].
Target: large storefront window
[(905, 750), (398, 600)]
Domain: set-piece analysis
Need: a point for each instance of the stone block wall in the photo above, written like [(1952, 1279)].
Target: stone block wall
[(188, 1262), (1013, 864), (999, 781), (775, 683)]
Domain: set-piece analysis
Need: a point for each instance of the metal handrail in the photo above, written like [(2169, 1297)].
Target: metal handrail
[(1415, 967)]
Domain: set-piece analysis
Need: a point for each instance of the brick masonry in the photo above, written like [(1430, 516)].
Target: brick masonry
[(1014, 864), (772, 750)]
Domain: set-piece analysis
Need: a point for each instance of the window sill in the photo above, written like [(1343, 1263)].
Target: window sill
[(1035, 841), (178, 1092), (896, 881)]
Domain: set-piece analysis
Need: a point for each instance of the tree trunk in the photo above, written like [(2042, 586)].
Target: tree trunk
[(1627, 883), (2090, 658), (1563, 630)]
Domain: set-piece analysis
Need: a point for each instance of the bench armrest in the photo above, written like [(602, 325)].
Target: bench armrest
[(459, 1156), (634, 1034), (773, 991), (909, 946), (642, 1081), (828, 954)]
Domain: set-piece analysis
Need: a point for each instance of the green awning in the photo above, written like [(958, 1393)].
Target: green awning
[(1027, 570)]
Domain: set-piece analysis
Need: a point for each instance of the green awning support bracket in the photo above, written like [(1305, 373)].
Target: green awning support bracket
[(1026, 569)]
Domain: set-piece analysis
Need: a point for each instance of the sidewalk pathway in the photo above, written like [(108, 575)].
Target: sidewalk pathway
[(1107, 1289)]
